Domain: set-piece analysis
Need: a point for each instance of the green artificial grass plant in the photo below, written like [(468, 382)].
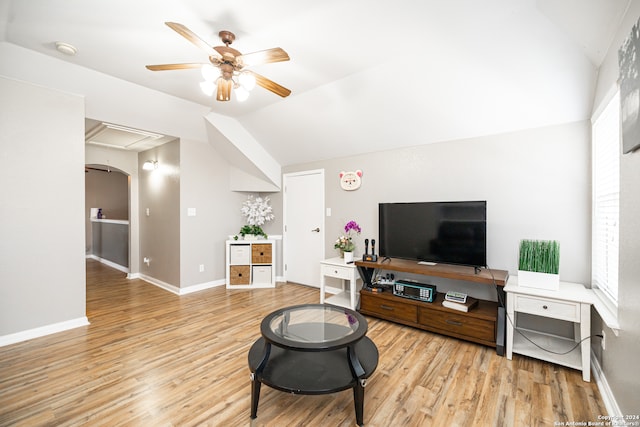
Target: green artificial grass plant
[(542, 256)]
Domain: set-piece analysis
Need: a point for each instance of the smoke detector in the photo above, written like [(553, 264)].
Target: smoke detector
[(66, 48)]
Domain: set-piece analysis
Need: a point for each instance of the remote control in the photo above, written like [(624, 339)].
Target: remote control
[(456, 297)]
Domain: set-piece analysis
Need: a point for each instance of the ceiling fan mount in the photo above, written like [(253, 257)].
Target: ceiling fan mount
[(227, 37), (231, 62)]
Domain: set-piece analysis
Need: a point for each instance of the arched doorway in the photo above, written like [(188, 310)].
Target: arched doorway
[(107, 215)]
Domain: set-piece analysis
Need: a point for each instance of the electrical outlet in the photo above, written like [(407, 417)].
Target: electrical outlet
[(201, 268), (602, 343)]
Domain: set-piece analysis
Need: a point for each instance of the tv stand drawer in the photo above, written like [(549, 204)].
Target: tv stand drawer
[(385, 308), (458, 324)]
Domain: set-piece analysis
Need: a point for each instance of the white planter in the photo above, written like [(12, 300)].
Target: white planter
[(250, 237), (533, 279), (348, 257)]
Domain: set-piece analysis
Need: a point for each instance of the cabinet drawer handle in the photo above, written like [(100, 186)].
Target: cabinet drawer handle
[(453, 322), (386, 307), (545, 307)]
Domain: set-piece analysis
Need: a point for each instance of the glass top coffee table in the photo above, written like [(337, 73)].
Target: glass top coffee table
[(313, 349)]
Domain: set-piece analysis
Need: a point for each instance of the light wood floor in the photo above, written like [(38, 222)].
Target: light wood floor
[(151, 358)]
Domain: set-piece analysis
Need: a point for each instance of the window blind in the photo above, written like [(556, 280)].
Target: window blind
[(606, 198)]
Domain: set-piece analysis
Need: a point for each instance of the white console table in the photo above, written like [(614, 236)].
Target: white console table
[(572, 302), (336, 267)]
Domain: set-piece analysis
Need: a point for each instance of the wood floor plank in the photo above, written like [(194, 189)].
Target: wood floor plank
[(151, 358)]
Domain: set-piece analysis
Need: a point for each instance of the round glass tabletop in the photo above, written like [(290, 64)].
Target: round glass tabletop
[(313, 327)]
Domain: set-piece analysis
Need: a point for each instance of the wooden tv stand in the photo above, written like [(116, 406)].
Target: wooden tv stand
[(484, 324)]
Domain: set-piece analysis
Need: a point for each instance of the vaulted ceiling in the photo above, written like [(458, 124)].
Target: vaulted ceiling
[(364, 75)]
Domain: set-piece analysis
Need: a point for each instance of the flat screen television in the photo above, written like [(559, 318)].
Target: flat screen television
[(438, 232)]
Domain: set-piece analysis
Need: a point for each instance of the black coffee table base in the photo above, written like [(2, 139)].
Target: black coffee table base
[(312, 372)]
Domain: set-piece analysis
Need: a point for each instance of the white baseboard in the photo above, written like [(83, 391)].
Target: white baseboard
[(160, 284), (605, 391), (181, 291), (42, 331), (109, 263), (202, 286)]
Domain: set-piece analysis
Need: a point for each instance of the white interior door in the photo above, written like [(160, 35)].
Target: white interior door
[(303, 240)]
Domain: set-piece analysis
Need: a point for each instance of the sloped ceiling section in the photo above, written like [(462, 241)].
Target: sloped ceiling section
[(593, 32), (452, 70), (253, 169)]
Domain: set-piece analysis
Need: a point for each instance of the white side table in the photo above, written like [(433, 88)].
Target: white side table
[(572, 302), (336, 267)]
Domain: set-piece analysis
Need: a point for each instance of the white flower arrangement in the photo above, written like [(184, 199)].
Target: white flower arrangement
[(257, 210)]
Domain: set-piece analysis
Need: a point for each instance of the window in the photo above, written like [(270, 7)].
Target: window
[(606, 197)]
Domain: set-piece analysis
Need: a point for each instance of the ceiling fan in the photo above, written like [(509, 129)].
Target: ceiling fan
[(233, 66)]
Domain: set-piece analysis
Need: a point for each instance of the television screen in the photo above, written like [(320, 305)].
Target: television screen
[(439, 232)]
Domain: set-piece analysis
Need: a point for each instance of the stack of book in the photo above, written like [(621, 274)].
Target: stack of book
[(459, 302)]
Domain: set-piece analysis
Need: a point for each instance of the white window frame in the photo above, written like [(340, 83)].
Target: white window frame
[(606, 149)]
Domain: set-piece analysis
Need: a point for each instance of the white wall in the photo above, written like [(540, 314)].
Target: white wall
[(536, 184), (42, 267), (204, 185), (160, 230)]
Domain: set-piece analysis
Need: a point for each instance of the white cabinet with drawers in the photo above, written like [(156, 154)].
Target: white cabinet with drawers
[(572, 303), (251, 264)]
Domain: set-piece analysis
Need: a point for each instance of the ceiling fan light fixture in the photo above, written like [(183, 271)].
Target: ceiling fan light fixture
[(208, 87), (247, 80), (209, 72), (224, 89), (241, 93)]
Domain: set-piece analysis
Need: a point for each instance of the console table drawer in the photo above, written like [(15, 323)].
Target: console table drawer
[(546, 307), (388, 309), (458, 323), (337, 272)]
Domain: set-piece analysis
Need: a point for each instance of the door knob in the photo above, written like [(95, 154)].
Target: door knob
[(317, 229)]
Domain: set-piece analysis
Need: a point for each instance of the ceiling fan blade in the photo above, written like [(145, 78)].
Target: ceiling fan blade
[(270, 85), (165, 67), (193, 38), (263, 57)]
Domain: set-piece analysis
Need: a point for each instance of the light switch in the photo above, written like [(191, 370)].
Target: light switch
[(147, 211), (328, 211), (191, 211)]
